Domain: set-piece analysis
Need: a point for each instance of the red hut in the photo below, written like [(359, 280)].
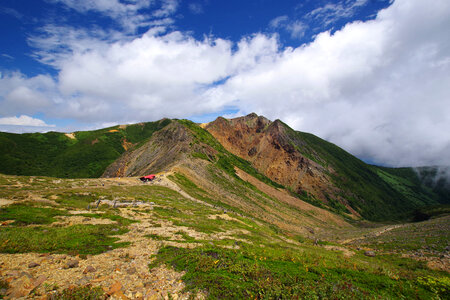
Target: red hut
[(147, 178)]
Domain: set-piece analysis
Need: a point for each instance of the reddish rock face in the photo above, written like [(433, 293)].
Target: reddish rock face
[(267, 146)]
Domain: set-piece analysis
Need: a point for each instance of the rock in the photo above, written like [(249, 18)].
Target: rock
[(71, 264), (24, 286), (13, 273), (25, 274), (101, 279), (82, 281), (33, 265), (369, 253), (89, 269), (113, 289)]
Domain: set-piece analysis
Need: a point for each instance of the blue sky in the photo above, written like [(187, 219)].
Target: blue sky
[(231, 20), (369, 75)]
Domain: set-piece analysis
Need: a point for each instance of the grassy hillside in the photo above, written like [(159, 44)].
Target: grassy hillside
[(376, 193), (58, 155), (175, 246)]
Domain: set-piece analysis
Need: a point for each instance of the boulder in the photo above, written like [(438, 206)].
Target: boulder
[(89, 269), (33, 265), (71, 264)]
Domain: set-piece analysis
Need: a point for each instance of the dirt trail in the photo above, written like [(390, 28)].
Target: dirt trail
[(162, 180), (379, 232), (346, 252)]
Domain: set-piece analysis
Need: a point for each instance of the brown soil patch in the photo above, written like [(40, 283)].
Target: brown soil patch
[(74, 220), (70, 136), (345, 251), (37, 198), (126, 144), (224, 217), (5, 202)]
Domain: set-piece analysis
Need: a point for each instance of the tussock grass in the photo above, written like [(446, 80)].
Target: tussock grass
[(283, 274), (76, 239), (24, 214)]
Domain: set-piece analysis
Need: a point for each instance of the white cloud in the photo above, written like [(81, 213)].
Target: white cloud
[(147, 78), (21, 95), (295, 28), (278, 21), (125, 13), (332, 12), (23, 120), (168, 7), (379, 88)]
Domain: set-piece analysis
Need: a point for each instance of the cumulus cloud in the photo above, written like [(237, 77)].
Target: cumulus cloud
[(23, 120), (377, 88), (22, 95), (146, 78)]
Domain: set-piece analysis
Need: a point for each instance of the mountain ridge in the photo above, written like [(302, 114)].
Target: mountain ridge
[(312, 169)]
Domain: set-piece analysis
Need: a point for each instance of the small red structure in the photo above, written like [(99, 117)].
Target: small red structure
[(147, 178)]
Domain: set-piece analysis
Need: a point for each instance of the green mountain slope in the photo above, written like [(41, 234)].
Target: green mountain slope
[(84, 154), (377, 193), (435, 178), (321, 171)]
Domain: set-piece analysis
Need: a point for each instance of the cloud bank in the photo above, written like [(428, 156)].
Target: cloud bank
[(378, 88)]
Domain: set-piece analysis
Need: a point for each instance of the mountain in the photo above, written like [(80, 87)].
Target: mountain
[(221, 153), (75, 155), (321, 171), (240, 208)]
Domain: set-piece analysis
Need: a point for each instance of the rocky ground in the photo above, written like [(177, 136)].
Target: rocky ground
[(124, 273)]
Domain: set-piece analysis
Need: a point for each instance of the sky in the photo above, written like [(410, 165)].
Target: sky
[(372, 76)]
